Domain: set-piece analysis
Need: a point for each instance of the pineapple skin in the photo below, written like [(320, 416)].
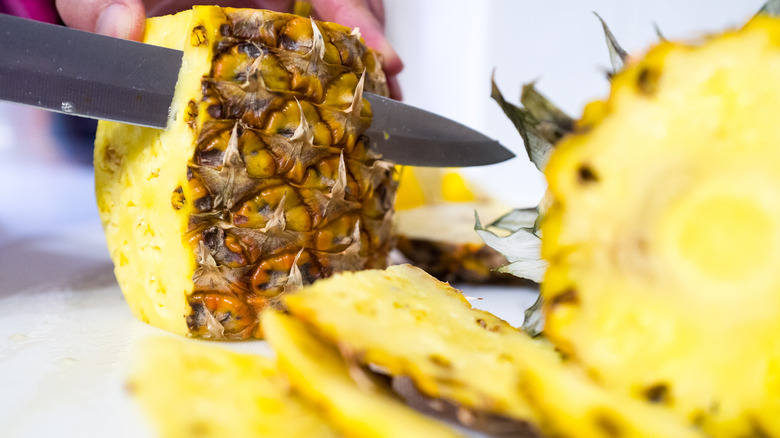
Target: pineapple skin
[(263, 180), (664, 232)]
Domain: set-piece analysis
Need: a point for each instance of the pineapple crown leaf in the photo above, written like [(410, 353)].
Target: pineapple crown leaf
[(516, 219), (617, 55), (522, 248), (553, 122), (536, 146), (533, 321), (771, 7), (658, 32)]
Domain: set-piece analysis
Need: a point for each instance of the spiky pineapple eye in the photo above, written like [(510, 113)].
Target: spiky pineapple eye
[(647, 80), (658, 393), (586, 175)]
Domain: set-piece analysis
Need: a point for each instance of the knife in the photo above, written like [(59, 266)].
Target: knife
[(85, 74)]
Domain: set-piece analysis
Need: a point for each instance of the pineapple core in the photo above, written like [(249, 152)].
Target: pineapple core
[(263, 179), (664, 235)]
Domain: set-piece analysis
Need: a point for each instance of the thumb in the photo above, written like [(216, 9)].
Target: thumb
[(116, 18), (356, 13)]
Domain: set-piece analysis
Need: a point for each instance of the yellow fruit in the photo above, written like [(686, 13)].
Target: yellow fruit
[(356, 404), (191, 390), (407, 324), (664, 234), (262, 181)]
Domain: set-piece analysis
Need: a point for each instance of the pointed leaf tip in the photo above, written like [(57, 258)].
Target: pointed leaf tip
[(617, 55)]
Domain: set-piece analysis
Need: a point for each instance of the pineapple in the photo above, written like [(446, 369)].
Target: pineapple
[(433, 224), (664, 234), (357, 404), (263, 180), (404, 323), (191, 390)]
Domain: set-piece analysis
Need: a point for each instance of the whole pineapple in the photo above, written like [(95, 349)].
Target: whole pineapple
[(663, 238), (263, 179)]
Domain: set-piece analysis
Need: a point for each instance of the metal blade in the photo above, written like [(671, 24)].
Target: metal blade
[(412, 136), (85, 74)]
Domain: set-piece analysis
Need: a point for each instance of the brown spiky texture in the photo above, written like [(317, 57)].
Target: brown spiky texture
[(273, 181)]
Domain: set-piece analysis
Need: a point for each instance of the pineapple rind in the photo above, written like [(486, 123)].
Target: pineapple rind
[(189, 390), (663, 238), (316, 370)]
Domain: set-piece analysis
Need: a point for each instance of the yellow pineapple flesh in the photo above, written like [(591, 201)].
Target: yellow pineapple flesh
[(664, 234), (191, 390), (263, 179), (356, 404), (407, 324)]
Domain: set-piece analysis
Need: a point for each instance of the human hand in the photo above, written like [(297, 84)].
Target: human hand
[(126, 19)]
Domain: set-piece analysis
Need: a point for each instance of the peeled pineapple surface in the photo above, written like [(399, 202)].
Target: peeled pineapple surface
[(262, 181), (664, 236)]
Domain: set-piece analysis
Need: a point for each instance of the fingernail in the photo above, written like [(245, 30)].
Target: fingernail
[(115, 20)]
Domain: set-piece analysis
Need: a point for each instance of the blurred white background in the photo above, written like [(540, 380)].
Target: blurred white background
[(450, 48)]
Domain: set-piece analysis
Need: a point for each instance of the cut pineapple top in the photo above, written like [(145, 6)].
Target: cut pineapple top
[(664, 235), (191, 390)]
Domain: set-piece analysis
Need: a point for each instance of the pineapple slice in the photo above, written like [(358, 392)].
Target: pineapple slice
[(360, 409), (408, 324), (191, 390), (664, 235), (262, 180)]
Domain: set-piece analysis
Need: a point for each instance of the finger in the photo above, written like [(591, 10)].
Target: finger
[(356, 13), (162, 7), (117, 18)]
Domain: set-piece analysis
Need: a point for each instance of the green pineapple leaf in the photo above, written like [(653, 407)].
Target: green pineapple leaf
[(533, 321), (771, 7), (522, 248), (553, 123), (536, 146), (617, 55), (516, 219)]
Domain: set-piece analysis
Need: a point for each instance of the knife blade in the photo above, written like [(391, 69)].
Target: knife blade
[(80, 73)]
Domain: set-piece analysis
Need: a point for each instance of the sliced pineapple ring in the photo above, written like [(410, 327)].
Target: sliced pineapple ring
[(664, 235), (191, 390), (317, 371), (409, 324)]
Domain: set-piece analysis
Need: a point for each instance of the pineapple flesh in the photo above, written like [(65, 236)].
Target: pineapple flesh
[(191, 390), (405, 323), (664, 234), (355, 403), (263, 179)]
